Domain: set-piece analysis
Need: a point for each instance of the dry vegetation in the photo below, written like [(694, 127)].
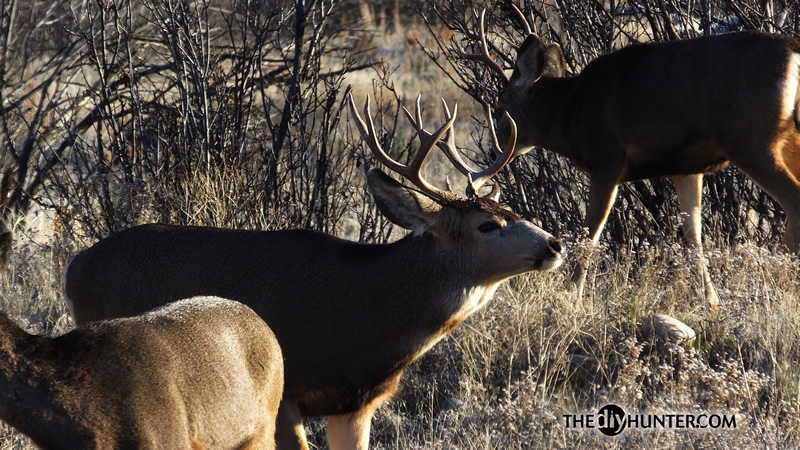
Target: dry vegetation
[(91, 145)]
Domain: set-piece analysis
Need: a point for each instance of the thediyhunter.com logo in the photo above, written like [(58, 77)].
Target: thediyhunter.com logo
[(611, 420)]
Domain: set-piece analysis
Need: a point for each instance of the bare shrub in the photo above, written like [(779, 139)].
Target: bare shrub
[(169, 91)]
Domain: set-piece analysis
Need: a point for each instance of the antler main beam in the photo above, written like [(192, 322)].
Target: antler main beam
[(484, 57), (413, 170), (478, 178)]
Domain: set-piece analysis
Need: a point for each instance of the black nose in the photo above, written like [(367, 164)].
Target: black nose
[(557, 245)]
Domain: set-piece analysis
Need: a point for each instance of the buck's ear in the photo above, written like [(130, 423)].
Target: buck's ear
[(404, 207), (535, 60)]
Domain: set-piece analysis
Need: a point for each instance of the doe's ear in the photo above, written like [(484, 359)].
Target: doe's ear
[(554, 63), (534, 60), (404, 207)]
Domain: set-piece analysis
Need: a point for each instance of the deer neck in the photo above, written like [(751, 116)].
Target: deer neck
[(449, 295), (546, 113)]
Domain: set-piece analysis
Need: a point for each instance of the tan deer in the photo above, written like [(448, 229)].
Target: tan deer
[(677, 108), (349, 317), (198, 373)]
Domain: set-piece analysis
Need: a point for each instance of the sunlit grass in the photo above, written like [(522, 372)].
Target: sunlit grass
[(507, 376)]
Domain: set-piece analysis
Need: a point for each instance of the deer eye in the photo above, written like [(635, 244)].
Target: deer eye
[(488, 227)]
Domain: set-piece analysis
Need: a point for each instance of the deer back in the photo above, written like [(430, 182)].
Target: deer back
[(203, 372)]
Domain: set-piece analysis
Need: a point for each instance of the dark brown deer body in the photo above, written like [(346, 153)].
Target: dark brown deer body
[(349, 317), (198, 373), (667, 108), (677, 108)]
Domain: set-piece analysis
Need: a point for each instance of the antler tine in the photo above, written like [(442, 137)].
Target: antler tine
[(448, 146), (427, 140), (484, 56), (522, 17), (367, 131), (503, 156), (418, 110), (412, 171), (416, 120)]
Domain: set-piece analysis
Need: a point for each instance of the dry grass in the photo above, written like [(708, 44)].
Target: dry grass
[(506, 378)]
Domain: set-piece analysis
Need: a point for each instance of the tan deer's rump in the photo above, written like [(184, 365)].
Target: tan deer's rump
[(202, 370)]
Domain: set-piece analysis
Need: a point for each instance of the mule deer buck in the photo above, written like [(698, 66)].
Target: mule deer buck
[(677, 108), (198, 373), (349, 317)]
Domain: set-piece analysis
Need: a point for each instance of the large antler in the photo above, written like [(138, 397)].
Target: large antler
[(476, 178), (523, 19), (484, 56), (412, 171)]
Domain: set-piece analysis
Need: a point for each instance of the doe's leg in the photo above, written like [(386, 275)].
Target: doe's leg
[(602, 193), (690, 196)]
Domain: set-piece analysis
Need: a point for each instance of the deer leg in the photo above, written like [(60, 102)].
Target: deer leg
[(788, 194), (791, 237), (350, 431), (690, 196), (289, 431), (602, 192), (778, 173)]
